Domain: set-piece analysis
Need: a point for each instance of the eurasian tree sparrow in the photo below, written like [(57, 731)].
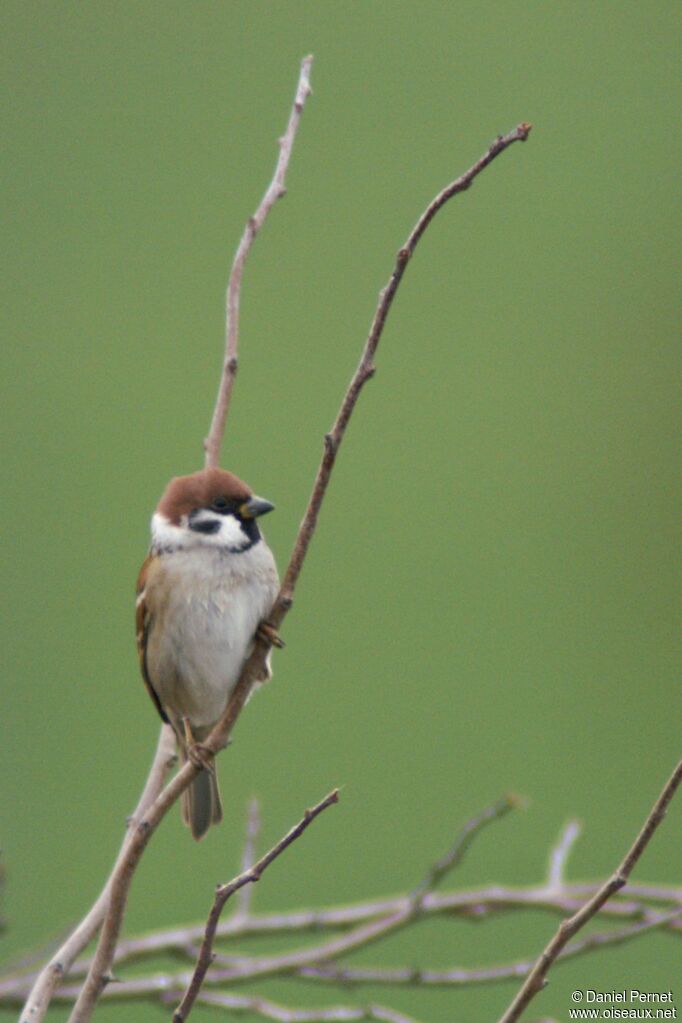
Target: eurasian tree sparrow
[(202, 594)]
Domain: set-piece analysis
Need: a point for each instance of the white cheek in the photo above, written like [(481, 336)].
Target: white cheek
[(229, 535), (165, 534)]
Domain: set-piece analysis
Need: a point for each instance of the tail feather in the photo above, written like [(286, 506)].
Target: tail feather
[(201, 806)]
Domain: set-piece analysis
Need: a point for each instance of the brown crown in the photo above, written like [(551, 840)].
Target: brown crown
[(200, 490)]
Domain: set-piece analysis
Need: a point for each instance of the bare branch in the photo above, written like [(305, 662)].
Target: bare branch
[(51, 975), (242, 967), (538, 976), (465, 838), (320, 963), (372, 931), (253, 826), (165, 984), (484, 903), (478, 903), (225, 891), (366, 368), (274, 191), (124, 868), (458, 977), (558, 858), (335, 1014), (219, 737)]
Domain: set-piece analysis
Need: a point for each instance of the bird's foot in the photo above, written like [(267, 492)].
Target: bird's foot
[(198, 754), (269, 634)]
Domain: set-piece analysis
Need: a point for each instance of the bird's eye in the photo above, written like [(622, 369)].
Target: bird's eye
[(220, 503)]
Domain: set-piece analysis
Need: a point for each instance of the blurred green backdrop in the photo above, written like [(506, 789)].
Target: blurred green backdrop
[(489, 600)]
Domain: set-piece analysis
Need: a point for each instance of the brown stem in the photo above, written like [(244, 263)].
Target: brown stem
[(51, 975), (483, 903), (459, 977), (537, 978), (274, 191), (225, 892), (366, 368)]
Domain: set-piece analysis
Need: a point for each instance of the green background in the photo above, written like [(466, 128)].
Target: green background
[(489, 600)]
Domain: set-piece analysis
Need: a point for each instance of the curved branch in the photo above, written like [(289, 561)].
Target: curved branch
[(537, 978), (366, 368), (370, 922), (283, 1014), (483, 903), (226, 891), (51, 975), (253, 668), (274, 191)]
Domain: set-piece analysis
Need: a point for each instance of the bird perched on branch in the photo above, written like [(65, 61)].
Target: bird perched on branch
[(203, 594)]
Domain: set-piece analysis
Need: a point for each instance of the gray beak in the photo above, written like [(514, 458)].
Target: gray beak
[(254, 507)]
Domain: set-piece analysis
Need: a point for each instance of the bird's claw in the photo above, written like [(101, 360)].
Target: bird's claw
[(269, 634), (201, 756), (198, 754)]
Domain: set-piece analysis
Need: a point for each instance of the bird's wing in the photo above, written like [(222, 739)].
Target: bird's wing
[(143, 624)]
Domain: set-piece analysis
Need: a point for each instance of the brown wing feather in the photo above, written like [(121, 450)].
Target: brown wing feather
[(143, 623)]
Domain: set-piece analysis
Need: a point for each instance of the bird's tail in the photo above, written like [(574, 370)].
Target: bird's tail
[(201, 804)]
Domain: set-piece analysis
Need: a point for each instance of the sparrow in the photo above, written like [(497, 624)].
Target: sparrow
[(203, 593)]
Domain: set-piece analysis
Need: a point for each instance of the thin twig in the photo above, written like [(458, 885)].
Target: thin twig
[(253, 826), (366, 368), (51, 975), (477, 903), (253, 668), (558, 857), (537, 978), (375, 930), (463, 841), (242, 967), (165, 984), (281, 1014), (483, 903), (458, 977), (225, 891), (274, 191), (124, 868)]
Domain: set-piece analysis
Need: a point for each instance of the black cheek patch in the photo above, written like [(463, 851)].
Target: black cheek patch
[(205, 525)]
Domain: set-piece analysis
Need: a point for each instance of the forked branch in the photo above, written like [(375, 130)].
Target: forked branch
[(252, 670), (226, 891), (320, 959)]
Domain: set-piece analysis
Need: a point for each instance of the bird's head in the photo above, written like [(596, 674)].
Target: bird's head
[(211, 507)]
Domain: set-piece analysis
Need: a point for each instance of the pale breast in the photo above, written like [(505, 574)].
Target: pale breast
[(206, 606)]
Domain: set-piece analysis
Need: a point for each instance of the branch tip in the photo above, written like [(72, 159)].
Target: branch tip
[(275, 190), (515, 801), (206, 954)]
